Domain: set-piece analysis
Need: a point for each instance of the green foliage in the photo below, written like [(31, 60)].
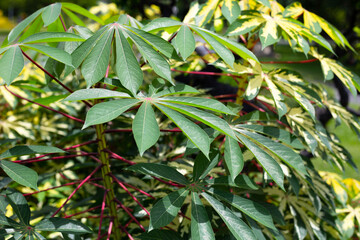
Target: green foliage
[(131, 138)]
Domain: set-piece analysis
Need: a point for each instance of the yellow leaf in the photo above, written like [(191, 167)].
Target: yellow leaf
[(206, 13)]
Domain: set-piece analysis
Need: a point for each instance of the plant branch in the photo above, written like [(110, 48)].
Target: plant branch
[(130, 215), (101, 215), (63, 23)]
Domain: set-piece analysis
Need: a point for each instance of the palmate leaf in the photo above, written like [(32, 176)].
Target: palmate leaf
[(233, 157), (28, 150), (159, 170), (204, 117), (241, 181), (237, 227), (159, 24), (159, 234), (127, 67), (19, 206), (95, 64), (107, 111), (200, 223), (277, 96), (192, 131), (206, 12), (51, 13), (203, 166), (156, 61), (16, 31), (268, 33), (145, 127), (11, 64), (20, 174), (95, 93), (177, 89), (62, 225), (167, 208), (267, 162), (185, 42), (80, 10), (247, 206), (52, 37), (54, 53)]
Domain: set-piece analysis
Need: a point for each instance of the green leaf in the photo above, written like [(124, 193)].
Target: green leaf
[(28, 150), (204, 117), (245, 25), (205, 103), (185, 42), (95, 93), (237, 227), (218, 47), (74, 18), (20, 174), (159, 24), (231, 10), (265, 3), (82, 11), (254, 117), (233, 157), (206, 13), (203, 166), (267, 162), (84, 49), (19, 206), (255, 228), (167, 208), (177, 89), (5, 221), (237, 48), (11, 64), (145, 127), (281, 151), (159, 170), (247, 206), (192, 131), (52, 37), (51, 13), (62, 225), (51, 99), (95, 64), (54, 53), (156, 61), (241, 181), (32, 29), (127, 67), (157, 42), (16, 31), (200, 224), (107, 111)]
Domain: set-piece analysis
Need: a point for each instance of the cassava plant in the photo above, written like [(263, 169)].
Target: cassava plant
[(99, 140)]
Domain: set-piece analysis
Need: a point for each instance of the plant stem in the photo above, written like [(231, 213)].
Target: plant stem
[(108, 183)]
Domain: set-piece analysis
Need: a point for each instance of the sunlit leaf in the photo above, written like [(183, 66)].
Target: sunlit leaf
[(11, 64), (185, 42), (51, 13)]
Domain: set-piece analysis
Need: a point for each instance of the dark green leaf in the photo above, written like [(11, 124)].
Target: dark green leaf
[(233, 157), (199, 102), (167, 208), (62, 225), (203, 166), (29, 149), (255, 228), (95, 93), (20, 174), (159, 234), (52, 37), (241, 181), (127, 67), (247, 206), (178, 89), (11, 64), (236, 226), (51, 13), (145, 127), (95, 64), (159, 170), (156, 61), (107, 111), (19, 206), (269, 164), (195, 133), (200, 224)]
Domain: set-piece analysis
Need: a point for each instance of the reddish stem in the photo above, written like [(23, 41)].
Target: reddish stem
[(130, 130), (128, 192), (85, 211), (81, 144), (54, 158), (101, 215), (109, 230), (76, 189), (127, 233), (63, 23), (169, 183), (44, 190), (139, 190), (41, 105), (116, 156), (50, 75), (254, 106), (291, 62), (130, 214)]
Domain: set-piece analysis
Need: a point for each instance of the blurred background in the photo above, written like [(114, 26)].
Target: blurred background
[(344, 15)]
